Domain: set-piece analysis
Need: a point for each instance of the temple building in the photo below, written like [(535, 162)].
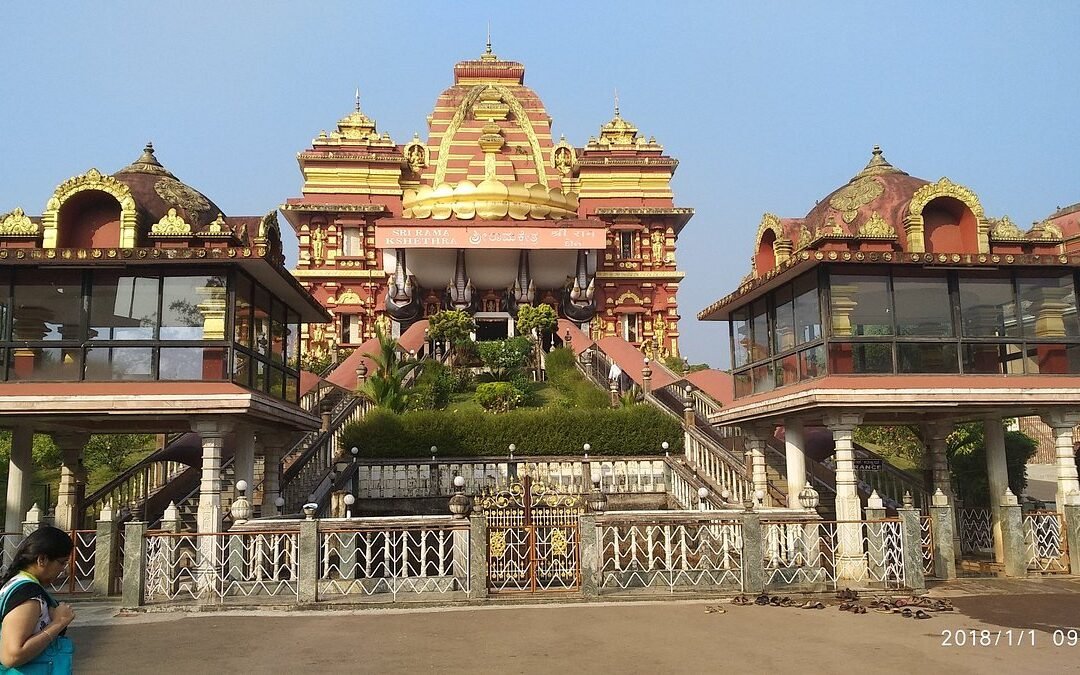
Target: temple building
[(132, 304), (487, 213), (898, 300)]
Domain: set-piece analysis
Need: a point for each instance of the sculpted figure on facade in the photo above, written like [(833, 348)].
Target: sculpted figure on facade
[(658, 248), (318, 246)]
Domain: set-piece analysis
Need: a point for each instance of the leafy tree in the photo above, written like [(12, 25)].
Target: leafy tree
[(386, 386), (535, 322), (504, 358), (453, 326), (111, 451), (967, 461)]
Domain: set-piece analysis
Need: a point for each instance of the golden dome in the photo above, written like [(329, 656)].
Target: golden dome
[(489, 200)]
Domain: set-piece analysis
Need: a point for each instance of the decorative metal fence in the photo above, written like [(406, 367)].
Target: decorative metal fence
[(834, 553), (690, 553), (376, 563), (1046, 544), (215, 567), (926, 545), (78, 576), (976, 531)]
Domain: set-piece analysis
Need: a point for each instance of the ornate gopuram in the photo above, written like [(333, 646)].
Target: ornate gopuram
[(898, 300), (485, 214), (132, 304)]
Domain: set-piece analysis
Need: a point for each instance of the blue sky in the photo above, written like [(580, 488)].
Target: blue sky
[(769, 106)]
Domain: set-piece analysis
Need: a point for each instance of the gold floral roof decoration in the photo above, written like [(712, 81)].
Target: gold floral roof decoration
[(182, 196), (805, 238), (944, 188), (856, 195), (1045, 230), (170, 225), (876, 227), (17, 223), (489, 200), (1004, 229)]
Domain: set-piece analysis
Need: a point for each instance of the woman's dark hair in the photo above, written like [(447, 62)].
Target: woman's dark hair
[(50, 542)]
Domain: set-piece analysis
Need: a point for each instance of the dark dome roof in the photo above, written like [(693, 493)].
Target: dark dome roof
[(156, 190), (879, 188)]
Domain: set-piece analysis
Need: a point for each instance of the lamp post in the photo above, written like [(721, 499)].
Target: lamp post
[(434, 451), (460, 503), (280, 504), (759, 498), (725, 494), (349, 501), (354, 451), (241, 507), (664, 446), (702, 493)]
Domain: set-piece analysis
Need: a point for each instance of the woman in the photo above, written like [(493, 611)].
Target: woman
[(31, 622)]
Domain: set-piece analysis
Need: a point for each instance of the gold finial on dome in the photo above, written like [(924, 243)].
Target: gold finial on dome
[(877, 166), (146, 163), (616, 102), (358, 99)]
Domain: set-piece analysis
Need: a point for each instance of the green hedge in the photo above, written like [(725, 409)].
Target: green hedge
[(637, 430)]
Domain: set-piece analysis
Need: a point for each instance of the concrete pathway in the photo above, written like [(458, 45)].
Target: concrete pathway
[(624, 637)]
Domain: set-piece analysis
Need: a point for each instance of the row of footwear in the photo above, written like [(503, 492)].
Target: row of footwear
[(765, 600)]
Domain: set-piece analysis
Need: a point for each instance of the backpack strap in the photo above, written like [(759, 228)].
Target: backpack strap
[(17, 582)]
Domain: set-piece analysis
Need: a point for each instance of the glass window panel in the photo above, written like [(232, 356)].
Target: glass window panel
[(988, 307), (123, 306), (860, 305), (855, 357), (5, 304), (740, 334), (277, 383), (807, 310), (119, 363), (262, 321), (927, 357), (47, 306), (784, 325), (292, 388), (759, 349), (350, 243), (812, 362), (193, 308), (743, 385), (260, 375), (242, 311), (922, 306), (293, 340), (1052, 359), (763, 378), (1048, 306), (191, 363), (787, 371), (45, 363), (277, 333), (993, 359), (241, 368)]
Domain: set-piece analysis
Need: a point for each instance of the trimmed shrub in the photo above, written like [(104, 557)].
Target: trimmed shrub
[(504, 358), (638, 430), (497, 397)]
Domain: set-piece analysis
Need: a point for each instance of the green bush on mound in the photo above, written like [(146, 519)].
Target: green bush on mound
[(637, 430)]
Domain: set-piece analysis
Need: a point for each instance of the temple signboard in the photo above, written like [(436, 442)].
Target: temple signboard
[(481, 237)]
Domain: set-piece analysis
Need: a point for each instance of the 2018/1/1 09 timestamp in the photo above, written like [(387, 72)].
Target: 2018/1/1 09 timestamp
[(971, 637)]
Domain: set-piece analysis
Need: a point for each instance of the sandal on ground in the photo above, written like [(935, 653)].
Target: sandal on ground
[(761, 600), (786, 602), (714, 609), (858, 609), (921, 615), (906, 613)]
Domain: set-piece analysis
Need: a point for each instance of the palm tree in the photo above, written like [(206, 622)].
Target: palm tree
[(386, 386)]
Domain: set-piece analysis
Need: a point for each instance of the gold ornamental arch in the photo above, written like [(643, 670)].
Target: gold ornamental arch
[(91, 181), (913, 222), (770, 223)]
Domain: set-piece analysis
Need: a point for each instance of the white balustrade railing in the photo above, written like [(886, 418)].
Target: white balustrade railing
[(219, 566), (140, 484), (719, 469), (1044, 537), (686, 552), (834, 553), (436, 479), (393, 560)]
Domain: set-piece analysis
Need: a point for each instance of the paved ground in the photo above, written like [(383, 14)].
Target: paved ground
[(634, 637)]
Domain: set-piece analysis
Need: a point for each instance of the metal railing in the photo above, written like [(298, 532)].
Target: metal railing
[(976, 531), (682, 552), (834, 553), (1044, 538)]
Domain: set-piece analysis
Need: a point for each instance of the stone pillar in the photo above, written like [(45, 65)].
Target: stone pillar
[(1071, 514), (105, 551), (1062, 425), (210, 487), (941, 478), (850, 561), (796, 461), (753, 556), (755, 452), (134, 584), (943, 531), (20, 467), (590, 556), (244, 461), (34, 520), (478, 556), (308, 574), (1013, 538), (997, 474), (71, 473), (875, 536), (911, 535), (688, 407), (271, 479), (646, 377)]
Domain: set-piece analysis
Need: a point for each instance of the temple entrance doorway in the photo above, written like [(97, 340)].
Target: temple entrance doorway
[(493, 326)]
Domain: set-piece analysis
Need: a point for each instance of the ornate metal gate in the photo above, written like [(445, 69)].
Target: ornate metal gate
[(533, 538)]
